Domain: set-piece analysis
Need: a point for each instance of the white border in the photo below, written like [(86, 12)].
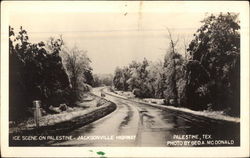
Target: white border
[(242, 7)]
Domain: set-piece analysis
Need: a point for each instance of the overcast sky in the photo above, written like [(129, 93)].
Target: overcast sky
[(111, 37)]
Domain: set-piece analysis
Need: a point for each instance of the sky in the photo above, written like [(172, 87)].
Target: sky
[(113, 36)]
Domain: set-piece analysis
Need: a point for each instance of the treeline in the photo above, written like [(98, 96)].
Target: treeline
[(102, 80), (206, 78), (45, 71)]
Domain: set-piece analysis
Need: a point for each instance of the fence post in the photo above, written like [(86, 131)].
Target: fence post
[(37, 111)]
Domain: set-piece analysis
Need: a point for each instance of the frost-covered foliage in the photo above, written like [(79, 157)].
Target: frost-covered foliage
[(79, 71), (215, 65), (209, 79), (36, 72), (102, 80)]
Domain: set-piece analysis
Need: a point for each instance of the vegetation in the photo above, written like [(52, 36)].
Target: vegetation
[(209, 79), (37, 72), (102, 80), (215, 64), (206, 78), (79, 71)]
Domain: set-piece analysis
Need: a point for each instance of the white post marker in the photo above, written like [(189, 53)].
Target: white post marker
[(37, 111)]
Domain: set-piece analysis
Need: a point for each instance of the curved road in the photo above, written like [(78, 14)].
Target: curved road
[(135, 124)]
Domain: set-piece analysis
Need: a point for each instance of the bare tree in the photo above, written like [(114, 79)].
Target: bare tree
[(185, 48), (172, 42), (170, 91)]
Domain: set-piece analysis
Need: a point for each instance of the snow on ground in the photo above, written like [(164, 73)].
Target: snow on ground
[(126, 94), (153, 100), (219, 115), (51, 119)]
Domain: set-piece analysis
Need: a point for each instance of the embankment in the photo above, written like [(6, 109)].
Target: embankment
[(61, 128)]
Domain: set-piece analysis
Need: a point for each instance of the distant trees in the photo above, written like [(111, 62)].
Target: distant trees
[(142, 87), (208, 77), (134, 78), (119, 79), (143, 79), (36, 72), (155, 79), (102, 80)]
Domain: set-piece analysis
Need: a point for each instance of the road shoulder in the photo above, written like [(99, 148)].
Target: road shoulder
[(207, 114)]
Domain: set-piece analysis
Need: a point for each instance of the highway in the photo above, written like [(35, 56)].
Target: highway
[(135, 124)]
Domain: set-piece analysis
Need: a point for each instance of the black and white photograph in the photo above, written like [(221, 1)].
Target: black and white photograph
[(125, 74)]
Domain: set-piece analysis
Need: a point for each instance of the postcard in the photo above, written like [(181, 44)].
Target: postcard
[(124, 79)]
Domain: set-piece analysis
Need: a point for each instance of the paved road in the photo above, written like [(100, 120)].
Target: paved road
[(135, 124)]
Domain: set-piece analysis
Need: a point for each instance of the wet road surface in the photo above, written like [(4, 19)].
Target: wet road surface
[(135, 124)]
